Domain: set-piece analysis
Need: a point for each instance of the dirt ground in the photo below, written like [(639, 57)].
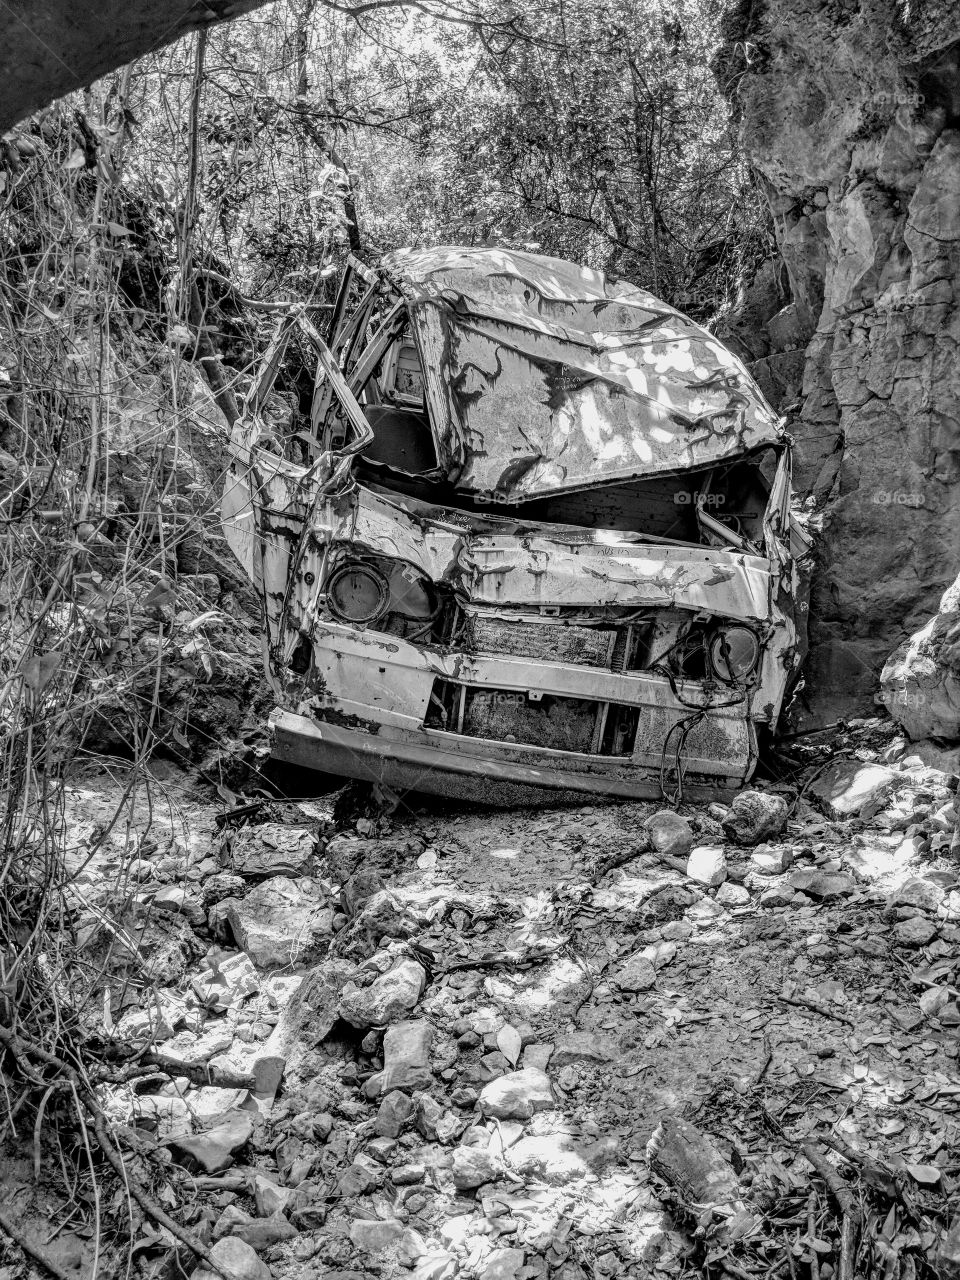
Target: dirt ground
[(772, 1011)]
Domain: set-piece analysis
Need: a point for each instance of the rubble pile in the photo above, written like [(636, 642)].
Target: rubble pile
[(586, 1042)]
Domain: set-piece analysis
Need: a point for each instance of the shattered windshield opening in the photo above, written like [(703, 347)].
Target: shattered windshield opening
[(669, 507)]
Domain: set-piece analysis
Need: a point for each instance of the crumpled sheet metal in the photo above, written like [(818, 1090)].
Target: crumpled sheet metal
[(570, 567), (543, 377)]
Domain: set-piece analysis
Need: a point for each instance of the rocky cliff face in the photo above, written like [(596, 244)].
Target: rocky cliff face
[(850, 113)]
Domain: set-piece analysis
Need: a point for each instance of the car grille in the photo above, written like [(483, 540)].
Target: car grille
[(544, 641)]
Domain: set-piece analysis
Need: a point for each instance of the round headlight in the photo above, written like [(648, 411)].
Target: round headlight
[(734, 654), (357, 593)]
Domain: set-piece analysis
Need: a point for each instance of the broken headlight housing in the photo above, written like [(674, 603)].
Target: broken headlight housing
[(734, 653), (389, 595), (357, 593)]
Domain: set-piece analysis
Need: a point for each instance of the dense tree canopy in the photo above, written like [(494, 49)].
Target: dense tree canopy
[(594, 131)]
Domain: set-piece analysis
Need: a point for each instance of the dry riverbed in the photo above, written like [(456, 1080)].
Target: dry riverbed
[(584, 1042)]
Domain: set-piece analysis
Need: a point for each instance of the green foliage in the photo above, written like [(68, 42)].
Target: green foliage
[(598, 134), (589, 129)]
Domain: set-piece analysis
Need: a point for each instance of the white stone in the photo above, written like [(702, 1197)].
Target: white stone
[(771, 859), (236, 1259), (387, 999), (732, 895), (707, 865), (517, 1095)]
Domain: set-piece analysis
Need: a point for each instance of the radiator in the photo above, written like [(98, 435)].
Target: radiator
[(546, 642)]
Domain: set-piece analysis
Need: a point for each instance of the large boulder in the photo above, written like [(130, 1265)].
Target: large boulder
[(920, 683), (279, 922), (388, 998), (755, 816), (850, 789)]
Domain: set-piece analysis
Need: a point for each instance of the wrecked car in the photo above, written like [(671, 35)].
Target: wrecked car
[(535, 538)]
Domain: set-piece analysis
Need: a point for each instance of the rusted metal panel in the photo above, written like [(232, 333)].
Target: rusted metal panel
[(544, 376)]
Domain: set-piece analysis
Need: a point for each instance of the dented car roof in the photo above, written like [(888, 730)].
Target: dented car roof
[(542, 376)]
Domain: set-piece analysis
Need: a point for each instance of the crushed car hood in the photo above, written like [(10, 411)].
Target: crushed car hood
[(542, 377)]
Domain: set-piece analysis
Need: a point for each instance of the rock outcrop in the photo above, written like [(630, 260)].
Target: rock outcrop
[(47, 48), (920, 683), (851, 117)]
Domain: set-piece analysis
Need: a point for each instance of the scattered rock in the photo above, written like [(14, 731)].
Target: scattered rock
[(269, 1197), (707, 865), (430, 1115), (676, 931), (472, 1167), (272, 850), (907, 1018), (377, 1235), (733, 895), (771, 859), (670, 834), (358, 1179), (406, 1058), (236, 1259), (278, 921), (176, 899), (823, 885), (519, 1095), (214, 1150), (396, 1111), (781, 896), (502, 1264), (635, 974), (231, 1218), (264, 1233), (915, 932), (755, 816), (228, 981), (387, 998), (145, 1024), (917, 892), (846, 787), (222, 885)]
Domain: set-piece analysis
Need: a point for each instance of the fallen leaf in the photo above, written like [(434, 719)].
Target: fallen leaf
[(889, 1127), (508, 1042), (160, 594), (928, 1174), (39, 671)]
